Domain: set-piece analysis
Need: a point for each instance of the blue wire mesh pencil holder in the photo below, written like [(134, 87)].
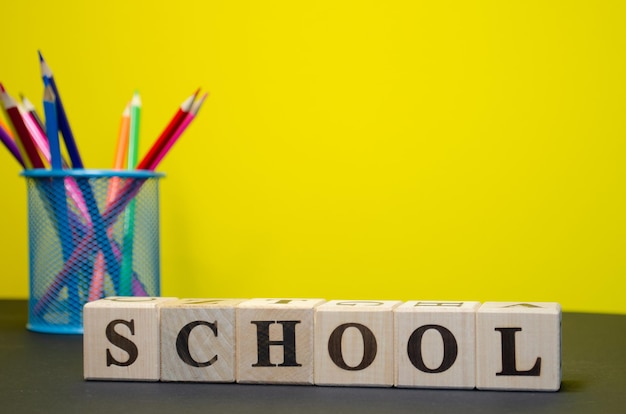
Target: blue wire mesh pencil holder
[(91, 234)]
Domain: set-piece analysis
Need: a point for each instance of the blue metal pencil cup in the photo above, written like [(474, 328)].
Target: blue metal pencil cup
[(91, 234)]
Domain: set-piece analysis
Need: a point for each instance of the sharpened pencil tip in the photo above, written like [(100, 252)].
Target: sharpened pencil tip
[(198, 104), (2, 88), (46, 72), (136, 100)]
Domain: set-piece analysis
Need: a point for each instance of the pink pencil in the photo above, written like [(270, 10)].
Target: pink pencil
[(39, 136), (179, 131)]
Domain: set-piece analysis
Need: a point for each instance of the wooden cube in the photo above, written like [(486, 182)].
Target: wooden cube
[(198, 340), (518, 346), (435, 344), (121, 338), (354, 343), (275, 341)]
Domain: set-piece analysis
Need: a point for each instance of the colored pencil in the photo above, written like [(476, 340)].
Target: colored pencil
[(11, 145), (64, 124), (85, 188), (30, 108), (52, 131), (39, 137), (59, 184), (27, 148), (6, 128), (181, 128), (50, 147), (58, 198), (121, 151), (133, 137), (129, 216), (167, 133), (96, 287), (121, 148)]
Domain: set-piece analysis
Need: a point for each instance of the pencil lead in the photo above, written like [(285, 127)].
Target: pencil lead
[(46, 72), (198, 104)]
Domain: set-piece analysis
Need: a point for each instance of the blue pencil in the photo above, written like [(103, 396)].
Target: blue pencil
[(101, 237), (64, 125), (58, 197), (52, 130)]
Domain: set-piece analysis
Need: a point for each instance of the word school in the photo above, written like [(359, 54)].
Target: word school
[(415, 344)]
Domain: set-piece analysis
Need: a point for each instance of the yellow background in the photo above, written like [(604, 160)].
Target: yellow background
[(353, 149)]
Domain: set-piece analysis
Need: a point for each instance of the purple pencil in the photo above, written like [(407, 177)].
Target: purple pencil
[(11, 146)]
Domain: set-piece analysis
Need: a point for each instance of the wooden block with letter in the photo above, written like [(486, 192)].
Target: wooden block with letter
[(435, 344), (198, 340), (121, 338), (518, 346), (275, 341), (354, 343)]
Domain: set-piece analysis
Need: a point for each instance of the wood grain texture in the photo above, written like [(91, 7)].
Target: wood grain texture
[(198, 340), (354, 343), (121, 338), (275, 340), (518, 346), (435, 344)]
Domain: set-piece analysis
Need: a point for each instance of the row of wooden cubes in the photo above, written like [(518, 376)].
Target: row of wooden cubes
[(421, 344)]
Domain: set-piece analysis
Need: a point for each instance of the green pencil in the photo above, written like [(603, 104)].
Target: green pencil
[(129, 218)]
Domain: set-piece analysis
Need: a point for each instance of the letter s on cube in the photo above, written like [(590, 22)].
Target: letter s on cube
[(121, 339)]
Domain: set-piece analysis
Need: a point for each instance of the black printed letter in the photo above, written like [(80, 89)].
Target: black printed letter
[(121, 342), (288, 343), (370, 347), (182, 343), (450, 349), (509, 367)]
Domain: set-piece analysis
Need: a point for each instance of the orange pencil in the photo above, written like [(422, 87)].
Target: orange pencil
[(121, 149), (6, 128)]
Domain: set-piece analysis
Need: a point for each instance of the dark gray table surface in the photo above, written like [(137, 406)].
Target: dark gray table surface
[(41, 373)]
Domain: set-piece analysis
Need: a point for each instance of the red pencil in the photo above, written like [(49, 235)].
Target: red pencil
[(179, 131), (32, 158), (167, 133)]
